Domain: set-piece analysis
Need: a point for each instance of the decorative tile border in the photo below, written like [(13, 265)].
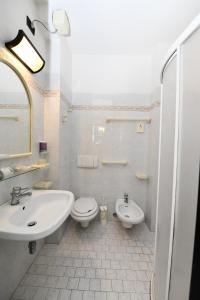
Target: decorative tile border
[(14, 106), (155, 104), (115, 107), (64, 98), (108, 108), (51, 93), (33, 83)]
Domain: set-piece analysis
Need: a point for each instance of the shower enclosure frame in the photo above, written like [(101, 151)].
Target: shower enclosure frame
[(175, 50)]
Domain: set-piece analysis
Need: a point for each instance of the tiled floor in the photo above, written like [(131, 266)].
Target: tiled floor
[(98, 263)]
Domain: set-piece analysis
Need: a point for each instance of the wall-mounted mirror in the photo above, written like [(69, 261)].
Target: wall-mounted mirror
[(15, 113)]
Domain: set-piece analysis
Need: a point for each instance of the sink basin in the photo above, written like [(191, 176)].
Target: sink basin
[(35, 217)]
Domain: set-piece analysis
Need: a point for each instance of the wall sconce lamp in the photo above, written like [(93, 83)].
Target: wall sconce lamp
[(25, 51), (60, 22)]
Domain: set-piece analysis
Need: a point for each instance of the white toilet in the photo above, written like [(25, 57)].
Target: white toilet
[(84, 210), (129, 213)]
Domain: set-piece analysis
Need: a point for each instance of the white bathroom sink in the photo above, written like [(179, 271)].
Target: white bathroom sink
[(46, 209)]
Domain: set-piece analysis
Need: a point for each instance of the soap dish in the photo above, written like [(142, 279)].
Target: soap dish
[(142, 176), (43, 185)]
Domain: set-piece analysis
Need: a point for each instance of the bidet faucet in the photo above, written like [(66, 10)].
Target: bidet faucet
[(126, 198), (18, 193)]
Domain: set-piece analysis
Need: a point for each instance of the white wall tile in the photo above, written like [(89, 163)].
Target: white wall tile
[(121, 142)]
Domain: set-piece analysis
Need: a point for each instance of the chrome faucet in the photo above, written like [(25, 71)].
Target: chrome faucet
[(18, 193), (126, 198)]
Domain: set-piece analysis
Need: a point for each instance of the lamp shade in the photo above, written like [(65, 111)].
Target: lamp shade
[(25, 51), (61, 22)]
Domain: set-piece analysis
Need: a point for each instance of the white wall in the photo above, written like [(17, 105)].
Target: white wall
[(57, 132), (111, 74), (120, 142), (66, 134), (52, 81), (52, 135), (104, 80), (153, 148), (65, 69)]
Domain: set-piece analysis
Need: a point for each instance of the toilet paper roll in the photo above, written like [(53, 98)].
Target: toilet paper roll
[(6, 172), (103, 214)]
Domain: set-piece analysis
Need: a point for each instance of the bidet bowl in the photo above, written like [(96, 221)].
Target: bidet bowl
[(128, 213), (35, 217)]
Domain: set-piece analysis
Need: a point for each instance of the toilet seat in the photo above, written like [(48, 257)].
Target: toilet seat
[(84, 207), (84, 211)]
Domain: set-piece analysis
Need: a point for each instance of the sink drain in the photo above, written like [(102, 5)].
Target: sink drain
[(32, 223), (127, 216)]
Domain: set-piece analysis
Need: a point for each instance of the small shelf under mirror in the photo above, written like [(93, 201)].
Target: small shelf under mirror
[(43, 152), (25, 172)]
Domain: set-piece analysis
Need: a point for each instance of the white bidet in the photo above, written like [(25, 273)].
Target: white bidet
[(129, 213)]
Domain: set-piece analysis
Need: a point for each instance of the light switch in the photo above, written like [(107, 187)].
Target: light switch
[(140, 127)]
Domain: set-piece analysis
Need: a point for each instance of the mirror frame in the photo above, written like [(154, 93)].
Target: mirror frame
[(28, 93)]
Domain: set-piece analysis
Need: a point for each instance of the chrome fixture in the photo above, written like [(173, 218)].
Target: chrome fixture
[(126, 198), (18, 193), (32, 246)]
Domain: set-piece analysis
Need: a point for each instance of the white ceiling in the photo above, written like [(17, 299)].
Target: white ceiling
[(125, 26)]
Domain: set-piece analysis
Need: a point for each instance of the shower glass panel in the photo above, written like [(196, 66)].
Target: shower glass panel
[(168, 114), (188, 170)]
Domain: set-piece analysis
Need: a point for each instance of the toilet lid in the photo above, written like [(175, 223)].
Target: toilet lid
[(84, 205)]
